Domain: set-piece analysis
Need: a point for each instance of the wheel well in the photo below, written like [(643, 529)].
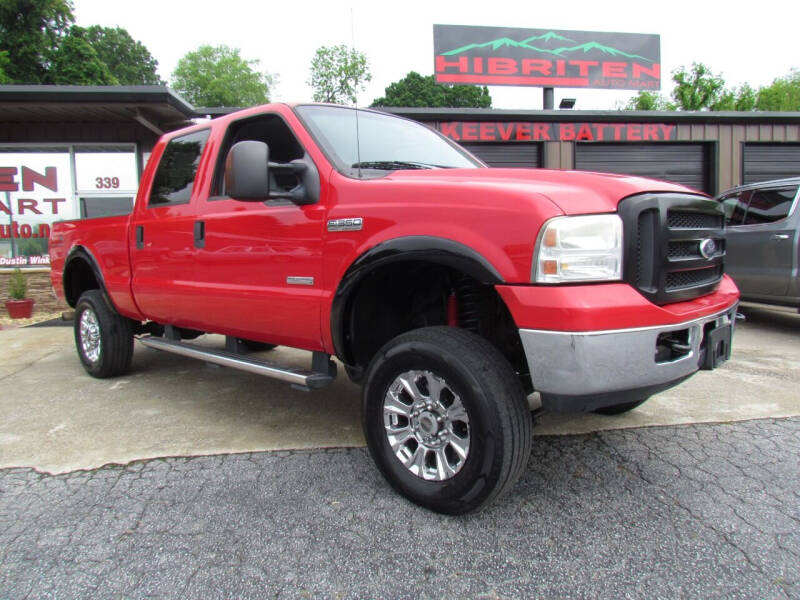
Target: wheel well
[(403, 296), (79, 277)]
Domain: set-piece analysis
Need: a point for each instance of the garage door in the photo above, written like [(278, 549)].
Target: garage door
[(763, 162), (687, 164), (507, 155)]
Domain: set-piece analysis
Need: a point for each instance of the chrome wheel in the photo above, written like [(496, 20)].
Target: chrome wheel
[(90, 335), (426, 425)]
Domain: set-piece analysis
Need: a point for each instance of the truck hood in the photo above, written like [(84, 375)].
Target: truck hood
[(574, 192)]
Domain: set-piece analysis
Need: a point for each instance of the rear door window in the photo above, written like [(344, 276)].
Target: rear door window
[(770, 205), (177, 168)]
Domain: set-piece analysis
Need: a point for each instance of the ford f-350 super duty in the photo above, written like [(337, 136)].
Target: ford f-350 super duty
[(449, 290)]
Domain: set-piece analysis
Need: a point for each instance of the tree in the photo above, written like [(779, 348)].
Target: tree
[(417, 90), (697, 89), (338, 73), (30, 31), (76, 63), (740, 99), (783, 94), (218, 76), (128, 60), (4, 64), (648, 101)]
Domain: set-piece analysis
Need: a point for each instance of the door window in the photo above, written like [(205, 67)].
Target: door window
[(735, 207), (768, 206), (282, 144), (174, 177)]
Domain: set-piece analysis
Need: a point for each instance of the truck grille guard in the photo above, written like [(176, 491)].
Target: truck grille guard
[(674, 245)]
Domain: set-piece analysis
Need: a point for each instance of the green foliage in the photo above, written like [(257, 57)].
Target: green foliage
[(416, 90), (697, 89), (30, 30), (75, 62), (338, 73), (32, 246), (218, 76), (783, 94), (17, 285), (4, 64), (128, 60), (39, 44), (648, 101), (739, 99), (701, 89)]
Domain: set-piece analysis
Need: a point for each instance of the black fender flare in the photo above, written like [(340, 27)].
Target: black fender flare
[(83, 254), (410, 248)]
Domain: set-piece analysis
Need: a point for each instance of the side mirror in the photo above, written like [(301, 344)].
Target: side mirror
[(247, 171)]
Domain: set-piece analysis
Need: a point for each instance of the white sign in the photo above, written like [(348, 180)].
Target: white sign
[(35, 191), (105, 172)]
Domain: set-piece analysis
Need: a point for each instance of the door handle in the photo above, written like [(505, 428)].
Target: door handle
[(199, 234), (140, 237), (780, 236)]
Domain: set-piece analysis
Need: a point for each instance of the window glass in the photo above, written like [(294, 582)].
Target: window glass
[(283, 148), (379, 142), (105, 206), (768, 206), (174, 177), (735, 207)]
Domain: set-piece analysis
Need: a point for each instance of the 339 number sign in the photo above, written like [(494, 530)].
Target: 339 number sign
[(106, 183)]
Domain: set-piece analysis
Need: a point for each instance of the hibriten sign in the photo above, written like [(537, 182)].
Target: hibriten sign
[(546, 58)]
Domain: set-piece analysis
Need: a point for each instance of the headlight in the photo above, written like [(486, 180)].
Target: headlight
[(581, 248)]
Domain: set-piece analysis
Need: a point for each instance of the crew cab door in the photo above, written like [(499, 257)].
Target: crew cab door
[(259, 264), (760, 242), (161, 234)]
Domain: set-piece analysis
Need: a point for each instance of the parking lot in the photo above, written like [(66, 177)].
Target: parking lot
[(183, 480)]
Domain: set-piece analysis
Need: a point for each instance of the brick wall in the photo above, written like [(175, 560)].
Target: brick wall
[(39, 289)]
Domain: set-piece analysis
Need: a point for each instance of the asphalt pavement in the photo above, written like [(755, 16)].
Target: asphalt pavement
[(186, 481), (695, 511)]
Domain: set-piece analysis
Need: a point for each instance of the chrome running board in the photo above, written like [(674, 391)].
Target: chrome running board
[(323, 373)]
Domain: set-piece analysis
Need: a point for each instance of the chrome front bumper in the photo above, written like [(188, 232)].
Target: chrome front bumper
[(613, 366)]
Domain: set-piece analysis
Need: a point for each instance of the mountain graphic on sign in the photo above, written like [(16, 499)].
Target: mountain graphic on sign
[(502, 42), (589, 46), (550, 35), (505, 42)]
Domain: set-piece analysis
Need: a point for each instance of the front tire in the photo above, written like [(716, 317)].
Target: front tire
[(103, 338), (446, 419)]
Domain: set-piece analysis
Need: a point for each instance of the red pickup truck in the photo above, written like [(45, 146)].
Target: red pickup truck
[(451, 291)]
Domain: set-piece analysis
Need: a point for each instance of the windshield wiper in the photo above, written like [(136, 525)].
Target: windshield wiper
[(390, 165)]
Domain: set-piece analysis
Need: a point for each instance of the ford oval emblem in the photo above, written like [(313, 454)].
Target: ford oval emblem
[(708, 248)]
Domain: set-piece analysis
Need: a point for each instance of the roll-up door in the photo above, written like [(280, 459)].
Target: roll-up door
[(763, 162), (506, 155), (687, 164)]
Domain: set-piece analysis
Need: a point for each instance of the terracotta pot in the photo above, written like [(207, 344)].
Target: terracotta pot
[(20, 309)]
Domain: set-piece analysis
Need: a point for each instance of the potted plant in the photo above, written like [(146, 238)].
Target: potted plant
[(17, 305)]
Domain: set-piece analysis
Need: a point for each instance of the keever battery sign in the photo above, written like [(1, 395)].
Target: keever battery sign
[(546, 58)]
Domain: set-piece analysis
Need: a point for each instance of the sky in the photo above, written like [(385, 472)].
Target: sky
[(755, 44)]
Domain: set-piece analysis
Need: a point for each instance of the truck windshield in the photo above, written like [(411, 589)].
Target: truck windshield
[(385, 143)]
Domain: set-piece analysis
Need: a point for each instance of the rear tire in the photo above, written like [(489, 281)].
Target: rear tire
[(446, 419), (103, 338), (618, 409)]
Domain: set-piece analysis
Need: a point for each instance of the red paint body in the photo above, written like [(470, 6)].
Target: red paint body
[(236, 284)]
